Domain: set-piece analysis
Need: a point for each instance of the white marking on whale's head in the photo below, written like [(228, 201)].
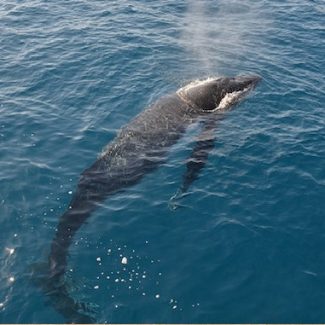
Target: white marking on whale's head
[(217, 94)]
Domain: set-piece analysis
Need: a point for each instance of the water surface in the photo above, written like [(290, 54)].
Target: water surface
[(247, 245)]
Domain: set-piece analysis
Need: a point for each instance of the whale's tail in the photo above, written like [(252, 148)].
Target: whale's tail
[(93, 188), (55, 286), (50, 276), (58, 292)]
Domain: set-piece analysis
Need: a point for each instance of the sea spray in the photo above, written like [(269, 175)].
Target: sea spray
[(215, 34)]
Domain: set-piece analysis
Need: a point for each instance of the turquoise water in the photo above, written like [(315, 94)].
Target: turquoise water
[(247, 243)]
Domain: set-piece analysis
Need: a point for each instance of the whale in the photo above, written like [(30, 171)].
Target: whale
[(138, 149)]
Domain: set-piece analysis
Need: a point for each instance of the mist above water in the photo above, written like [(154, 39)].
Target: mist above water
[(215, 34)]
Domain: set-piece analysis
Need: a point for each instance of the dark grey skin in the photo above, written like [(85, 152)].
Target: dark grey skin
[(140, 147)]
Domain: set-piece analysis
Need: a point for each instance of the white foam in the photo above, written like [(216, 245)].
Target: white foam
[(10, 251), (194, 83), (230, 98)]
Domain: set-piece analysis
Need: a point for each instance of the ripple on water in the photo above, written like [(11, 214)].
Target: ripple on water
[(245, 244)]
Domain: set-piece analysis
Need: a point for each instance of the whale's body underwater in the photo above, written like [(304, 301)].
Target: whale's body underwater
[(138, 149)]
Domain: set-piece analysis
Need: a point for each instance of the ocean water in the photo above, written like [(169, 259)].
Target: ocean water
[(246, 244)]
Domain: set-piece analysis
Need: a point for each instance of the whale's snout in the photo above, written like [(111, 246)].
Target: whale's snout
[(236, 88), (245, 82)]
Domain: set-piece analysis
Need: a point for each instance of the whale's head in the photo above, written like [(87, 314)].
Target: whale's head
[(214, 94)]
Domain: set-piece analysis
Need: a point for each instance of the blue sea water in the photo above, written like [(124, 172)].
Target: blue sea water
[(247, 243)]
